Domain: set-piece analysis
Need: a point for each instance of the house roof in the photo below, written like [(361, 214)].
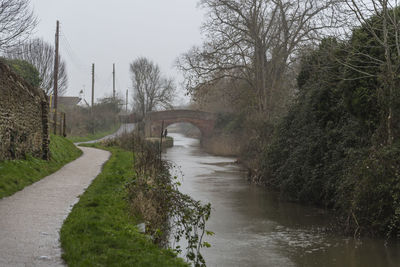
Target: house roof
[(67, 101)]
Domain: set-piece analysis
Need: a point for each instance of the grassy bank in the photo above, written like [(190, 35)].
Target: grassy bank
[(16, 174), (95, 136), (100, 232)]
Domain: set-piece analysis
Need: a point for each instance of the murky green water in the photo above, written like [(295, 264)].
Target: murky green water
[(253, 228)]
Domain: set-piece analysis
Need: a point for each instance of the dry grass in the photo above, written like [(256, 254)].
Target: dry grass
[(222, 145)]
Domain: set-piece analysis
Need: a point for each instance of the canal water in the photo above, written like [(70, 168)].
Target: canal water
[(253, 228)]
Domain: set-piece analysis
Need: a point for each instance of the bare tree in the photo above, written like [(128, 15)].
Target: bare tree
[(381, 20), (150, 89), (41, 55), (255, 41), (16, 22)]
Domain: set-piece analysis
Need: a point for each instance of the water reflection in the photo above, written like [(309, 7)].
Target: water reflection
[(253, 228)]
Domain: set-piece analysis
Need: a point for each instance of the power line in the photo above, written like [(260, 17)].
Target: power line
[(77, 62), (71, 54), (107, 84)]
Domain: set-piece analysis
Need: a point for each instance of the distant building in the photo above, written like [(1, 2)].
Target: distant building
[(69, 101)]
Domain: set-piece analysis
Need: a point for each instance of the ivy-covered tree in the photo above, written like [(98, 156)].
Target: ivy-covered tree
[(375, 54)]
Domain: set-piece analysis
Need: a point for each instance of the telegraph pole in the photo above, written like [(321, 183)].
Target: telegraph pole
[(55, 89), (126, 107), (114, 81), (92, 85)]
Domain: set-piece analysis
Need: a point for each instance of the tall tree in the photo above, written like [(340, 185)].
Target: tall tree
[(151, 90), (255, 41), (41, 55), (16, 22)]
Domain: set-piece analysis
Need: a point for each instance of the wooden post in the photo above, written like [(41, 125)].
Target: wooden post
[(161, 137), (50, 102), (61, 123), (91, 109), (64, 125), (92, 85), (114, 81), (126, 107), (45, 129)]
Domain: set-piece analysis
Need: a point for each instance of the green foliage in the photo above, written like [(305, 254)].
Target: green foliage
[(100, 230), (360, 91), (324, 151), (370, 192), (154, 195), (310, 144), (26, 71), (374, 90), (16, 174)]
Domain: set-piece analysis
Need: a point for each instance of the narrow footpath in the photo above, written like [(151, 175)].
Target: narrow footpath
[(30, 220)]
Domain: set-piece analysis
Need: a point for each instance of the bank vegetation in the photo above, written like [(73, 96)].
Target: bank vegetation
[(133, 213), (308, 94)]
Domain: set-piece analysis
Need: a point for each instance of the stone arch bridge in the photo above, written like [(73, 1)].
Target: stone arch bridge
[(205, 121)]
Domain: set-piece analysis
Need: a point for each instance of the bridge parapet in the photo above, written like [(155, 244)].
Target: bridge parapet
[(205, 121)]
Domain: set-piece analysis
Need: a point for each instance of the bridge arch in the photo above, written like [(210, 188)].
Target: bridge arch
[(204, 121)]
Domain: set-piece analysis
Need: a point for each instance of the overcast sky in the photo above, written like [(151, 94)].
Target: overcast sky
[(118, 31)]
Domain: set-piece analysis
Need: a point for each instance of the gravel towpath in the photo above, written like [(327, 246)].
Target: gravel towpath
[(31, 219)]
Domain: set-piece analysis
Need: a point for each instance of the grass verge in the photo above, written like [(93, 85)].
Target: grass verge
[(17, 174), (91, 137), (100, 230)]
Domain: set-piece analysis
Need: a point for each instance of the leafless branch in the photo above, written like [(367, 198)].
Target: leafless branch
[(256, 41), (150, 89), (16, 22)]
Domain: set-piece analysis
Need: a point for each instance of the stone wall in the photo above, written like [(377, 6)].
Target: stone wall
[(23, 118)]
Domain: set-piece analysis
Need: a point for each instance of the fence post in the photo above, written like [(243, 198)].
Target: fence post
[(64, 125), (61, 123), (45, 129), (161, 137)]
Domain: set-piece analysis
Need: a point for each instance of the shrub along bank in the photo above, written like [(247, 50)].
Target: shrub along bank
[(100, 230), (332, 149), (16, 174)]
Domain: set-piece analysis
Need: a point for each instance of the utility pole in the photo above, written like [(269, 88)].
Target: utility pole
[(55, 89), (92, 85), (126, 107), (114, 81)]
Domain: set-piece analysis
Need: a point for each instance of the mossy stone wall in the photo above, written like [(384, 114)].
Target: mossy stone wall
[(23, 118)]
